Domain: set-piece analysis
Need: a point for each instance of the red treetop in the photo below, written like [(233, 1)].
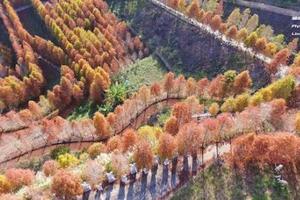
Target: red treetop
[(182, 113), (190, 139), (280, 58), (169, 82), (143, 155), (166, 146), (129, 139), (65, 184)]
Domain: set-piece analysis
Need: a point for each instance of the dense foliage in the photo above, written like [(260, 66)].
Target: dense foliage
[(103, 70)]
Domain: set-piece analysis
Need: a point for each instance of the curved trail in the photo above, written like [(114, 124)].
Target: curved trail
[(75, 139)]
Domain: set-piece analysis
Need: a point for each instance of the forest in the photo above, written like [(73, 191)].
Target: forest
[(148, 99)]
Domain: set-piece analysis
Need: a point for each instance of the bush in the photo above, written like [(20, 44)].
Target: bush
[(66, 185), (34, 164), (93, 173), (50, 167), (163, 116), (67, 160), (150, 134), (19, 177), (114, 96), (5, 185), (114, 143), (143, 156), (119, 164), (167, 146), (129, 139), (59, 151), (95, 149)]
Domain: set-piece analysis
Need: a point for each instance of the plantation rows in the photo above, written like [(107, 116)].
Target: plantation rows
[(95, 47), (243, 29), (92, 47)]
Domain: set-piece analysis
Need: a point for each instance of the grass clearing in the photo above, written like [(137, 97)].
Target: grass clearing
[(143, 72)]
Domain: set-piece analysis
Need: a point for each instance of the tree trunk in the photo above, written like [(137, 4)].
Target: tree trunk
[(202, 156), (217, 150), (230, 141)]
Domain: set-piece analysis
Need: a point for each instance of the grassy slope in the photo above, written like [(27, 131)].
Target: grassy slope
[(142, 72), (224, 183)]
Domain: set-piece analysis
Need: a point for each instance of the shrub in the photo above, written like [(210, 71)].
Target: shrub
[(5, 185), (59, 151), (93, 173), (171, 126), (151, 135), (50, 167), (67, 160), (95, 149), (102, 125), (143, 155), (120, 164), (19, 177), (114, 143), (129, 139), (214, 109), (166, 146), (33, 164), (66, 185)]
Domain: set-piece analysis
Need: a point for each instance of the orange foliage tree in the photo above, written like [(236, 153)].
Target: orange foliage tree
[(280, 58), (143, 155), (190, 139), (19, 177), (129, 139), (66, 185), (102, 126), (271, 149), (166, 146), (181, 111), (171, 126), (114, 143), (242, 82)]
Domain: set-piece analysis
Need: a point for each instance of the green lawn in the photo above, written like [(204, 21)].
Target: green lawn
[(224, 183)]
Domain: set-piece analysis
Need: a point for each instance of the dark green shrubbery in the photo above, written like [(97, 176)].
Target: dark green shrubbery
[(59, 151)]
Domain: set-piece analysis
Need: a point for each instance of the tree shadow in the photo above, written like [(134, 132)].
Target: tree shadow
[(152, 186), (216, 173), (130, 193), (121, 193), (143, 191), (174, 173), (195, 165), (255, 181), (184, 174), (98, 195), (108, 191), (165, 178), (237, 185), (86, 195)]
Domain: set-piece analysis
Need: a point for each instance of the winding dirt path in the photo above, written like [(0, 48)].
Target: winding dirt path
[(38, 140)]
